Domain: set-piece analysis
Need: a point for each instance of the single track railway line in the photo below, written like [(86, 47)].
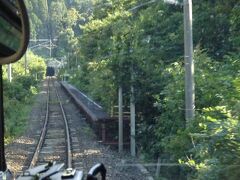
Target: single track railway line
[(54, 142)]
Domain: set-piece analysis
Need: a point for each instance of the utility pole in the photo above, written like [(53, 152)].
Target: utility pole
[(68, 62), (133, 120), (10, 72), (3, 165), (120, 120), (25, 62), (76, 61), (132, 115), (189, 63), (50, 47)]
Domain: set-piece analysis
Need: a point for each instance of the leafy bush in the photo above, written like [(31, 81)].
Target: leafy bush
[(18, 93), (210, 144)]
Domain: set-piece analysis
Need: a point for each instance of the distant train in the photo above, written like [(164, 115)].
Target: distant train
[(50, 71)]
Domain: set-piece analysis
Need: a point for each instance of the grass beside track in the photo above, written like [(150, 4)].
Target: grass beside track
[(16, 116)]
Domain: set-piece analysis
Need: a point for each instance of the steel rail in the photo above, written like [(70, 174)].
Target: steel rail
[(43, 133), (69, 150)]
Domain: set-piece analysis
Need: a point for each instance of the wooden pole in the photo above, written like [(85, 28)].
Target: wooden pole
[(132, 112), (120, 120)]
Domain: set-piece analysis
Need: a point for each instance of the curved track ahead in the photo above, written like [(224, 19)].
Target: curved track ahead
[(54, 143)]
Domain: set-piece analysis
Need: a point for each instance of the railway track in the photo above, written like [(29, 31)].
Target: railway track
[(85, 152), (54, 142)]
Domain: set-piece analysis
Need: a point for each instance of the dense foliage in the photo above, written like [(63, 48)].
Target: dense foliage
[(111, 43), (19, 92)]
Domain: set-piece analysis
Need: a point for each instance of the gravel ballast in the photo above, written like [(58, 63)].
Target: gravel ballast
[(86, 153)]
